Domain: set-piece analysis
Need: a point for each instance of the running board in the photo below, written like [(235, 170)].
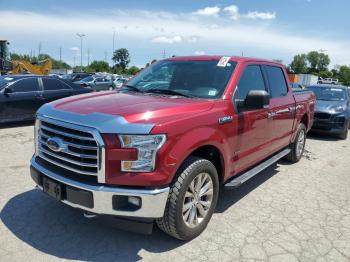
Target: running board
[(236, 182)]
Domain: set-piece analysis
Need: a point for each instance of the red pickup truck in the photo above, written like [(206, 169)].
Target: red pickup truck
[(159, 148)]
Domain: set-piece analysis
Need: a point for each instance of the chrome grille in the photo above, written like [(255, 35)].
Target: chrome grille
[(82, 152)]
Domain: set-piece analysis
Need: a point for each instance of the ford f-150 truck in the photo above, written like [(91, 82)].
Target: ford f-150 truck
[(159, 149)]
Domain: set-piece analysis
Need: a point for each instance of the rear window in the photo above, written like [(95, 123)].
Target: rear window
[(277, 81)]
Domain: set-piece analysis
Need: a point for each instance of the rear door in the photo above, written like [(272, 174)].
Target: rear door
[(254, 127), (282, 106), (23, 101), (55, 89)]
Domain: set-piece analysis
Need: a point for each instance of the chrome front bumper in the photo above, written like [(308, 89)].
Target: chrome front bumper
[(153, 200)]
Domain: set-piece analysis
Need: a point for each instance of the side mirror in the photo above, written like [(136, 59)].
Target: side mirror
[(7, 90), (257, 99)]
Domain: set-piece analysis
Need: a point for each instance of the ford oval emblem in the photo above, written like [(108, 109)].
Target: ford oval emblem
[(55, 144)]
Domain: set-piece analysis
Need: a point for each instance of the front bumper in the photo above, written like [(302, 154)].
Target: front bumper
[(102, 197), (334, 124)]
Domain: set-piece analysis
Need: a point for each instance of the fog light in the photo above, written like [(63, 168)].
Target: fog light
[(136, 201)]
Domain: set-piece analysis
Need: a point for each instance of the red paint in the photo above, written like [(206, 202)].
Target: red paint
[(191, 123)]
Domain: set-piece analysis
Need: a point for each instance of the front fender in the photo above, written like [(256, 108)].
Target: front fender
[(183, 145)]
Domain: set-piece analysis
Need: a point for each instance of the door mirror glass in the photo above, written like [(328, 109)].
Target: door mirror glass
[(257, 99)]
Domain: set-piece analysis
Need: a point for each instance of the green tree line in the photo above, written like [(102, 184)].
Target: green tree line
[(317, 63)]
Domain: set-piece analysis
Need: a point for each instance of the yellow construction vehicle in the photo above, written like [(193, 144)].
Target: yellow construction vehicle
[(20, 66)]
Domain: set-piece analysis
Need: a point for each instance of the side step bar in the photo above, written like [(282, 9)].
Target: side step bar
[(237, 181)]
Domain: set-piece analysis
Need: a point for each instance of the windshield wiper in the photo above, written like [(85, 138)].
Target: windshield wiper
[(166, 92), (132, 88)]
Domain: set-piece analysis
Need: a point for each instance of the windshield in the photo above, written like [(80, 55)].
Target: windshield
[(87, 79), (201, 79), (328, 93)]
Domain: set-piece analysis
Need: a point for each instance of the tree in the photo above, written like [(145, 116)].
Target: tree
[(121, 58), (313, 59), (318, 61), (98, 66), (344, 75), (133, 70), (299, 64), (323, 62)]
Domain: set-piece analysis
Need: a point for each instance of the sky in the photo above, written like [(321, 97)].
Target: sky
[(272, 29)]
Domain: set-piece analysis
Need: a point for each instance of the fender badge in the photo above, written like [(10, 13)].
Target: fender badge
[(225, 119)]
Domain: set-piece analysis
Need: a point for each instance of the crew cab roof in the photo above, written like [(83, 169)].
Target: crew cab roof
[(218, 57)]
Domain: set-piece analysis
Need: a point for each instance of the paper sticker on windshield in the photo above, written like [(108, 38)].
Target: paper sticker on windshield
[(223, 61), (212, 93)]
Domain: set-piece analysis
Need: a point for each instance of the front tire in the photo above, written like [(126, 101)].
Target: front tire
[(192, 199), (345, 134), (298, 146)]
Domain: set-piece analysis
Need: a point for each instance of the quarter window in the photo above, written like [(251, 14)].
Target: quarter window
[(277, 81), (252, 79)]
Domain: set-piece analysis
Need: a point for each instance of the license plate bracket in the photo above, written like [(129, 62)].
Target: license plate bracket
[(52, 188)]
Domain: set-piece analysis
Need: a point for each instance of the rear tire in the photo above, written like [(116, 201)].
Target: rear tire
[(298, 146), (192, 199)]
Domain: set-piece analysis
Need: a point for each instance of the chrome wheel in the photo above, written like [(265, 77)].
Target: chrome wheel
[(300, 143), (198, 200)]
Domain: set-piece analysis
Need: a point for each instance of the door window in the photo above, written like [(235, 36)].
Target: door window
[(54, 84), (252, 79), (25, 85), (277, 81)]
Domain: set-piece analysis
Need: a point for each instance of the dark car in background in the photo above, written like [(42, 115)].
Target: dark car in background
[(332, 111), (21, 96)]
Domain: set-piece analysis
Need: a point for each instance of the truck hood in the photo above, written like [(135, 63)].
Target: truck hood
[(329, 106), (134, 107)]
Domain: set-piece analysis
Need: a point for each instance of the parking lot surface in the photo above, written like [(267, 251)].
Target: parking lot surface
[(298, 212)]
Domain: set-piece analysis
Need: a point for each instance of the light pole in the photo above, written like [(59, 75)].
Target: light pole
[(113, 41), (81, 50)]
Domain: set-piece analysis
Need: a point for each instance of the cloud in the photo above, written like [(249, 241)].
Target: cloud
[(75, 48), (167, 40), (208, 11), (199, 53), (270, 40), (260, 15), (233, 12), (193, 39)]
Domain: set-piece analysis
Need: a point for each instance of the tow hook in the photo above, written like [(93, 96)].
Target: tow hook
[(89, 215)]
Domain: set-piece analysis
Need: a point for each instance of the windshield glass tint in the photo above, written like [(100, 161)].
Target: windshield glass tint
[(202, 79), (87, 79), (328, 93)]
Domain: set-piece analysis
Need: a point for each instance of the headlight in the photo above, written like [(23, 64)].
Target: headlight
[(339, 109), (147, 147)]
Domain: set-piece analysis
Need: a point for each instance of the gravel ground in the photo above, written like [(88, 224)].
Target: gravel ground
[(297, 212)]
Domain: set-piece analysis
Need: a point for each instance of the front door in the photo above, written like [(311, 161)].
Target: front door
[(23, 99)]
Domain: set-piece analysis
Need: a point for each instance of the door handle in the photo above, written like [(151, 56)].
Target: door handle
[(40, 96), (271, 115)]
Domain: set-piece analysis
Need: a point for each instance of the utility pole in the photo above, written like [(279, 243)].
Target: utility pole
[(164, 55), (60, 54), (39, 49), (106, 56), (81, 50), (113, 41), (88, 56), (73, 61)]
